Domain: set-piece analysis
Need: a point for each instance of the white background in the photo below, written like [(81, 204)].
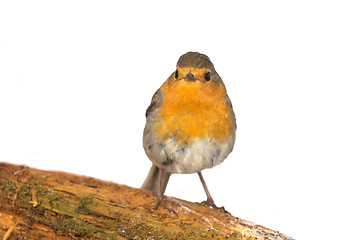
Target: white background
[(77, 76)]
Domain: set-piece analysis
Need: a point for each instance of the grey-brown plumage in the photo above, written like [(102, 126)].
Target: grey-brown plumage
[(195, 60)]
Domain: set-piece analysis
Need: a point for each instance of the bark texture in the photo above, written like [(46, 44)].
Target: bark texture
[(36, 204)]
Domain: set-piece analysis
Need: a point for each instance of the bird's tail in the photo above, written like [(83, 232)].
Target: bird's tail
[(152, 180)]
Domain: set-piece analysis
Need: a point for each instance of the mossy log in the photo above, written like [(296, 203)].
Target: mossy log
[(36, 204)]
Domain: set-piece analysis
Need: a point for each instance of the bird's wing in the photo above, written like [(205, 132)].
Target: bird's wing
[(155, 103)]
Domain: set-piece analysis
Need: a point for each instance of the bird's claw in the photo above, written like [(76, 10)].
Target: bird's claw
[(160, 200), (210, 203)]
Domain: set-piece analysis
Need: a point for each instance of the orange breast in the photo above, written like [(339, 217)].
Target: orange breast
[(192, 111)]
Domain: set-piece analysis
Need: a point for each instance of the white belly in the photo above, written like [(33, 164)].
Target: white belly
[(189, 158)]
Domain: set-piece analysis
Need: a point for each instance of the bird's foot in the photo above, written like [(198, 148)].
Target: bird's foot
[(210, 203), (161, 200)]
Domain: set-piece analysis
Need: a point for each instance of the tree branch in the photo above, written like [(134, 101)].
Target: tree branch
[(54, 205)]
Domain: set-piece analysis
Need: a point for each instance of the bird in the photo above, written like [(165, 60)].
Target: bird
[(190, 125)]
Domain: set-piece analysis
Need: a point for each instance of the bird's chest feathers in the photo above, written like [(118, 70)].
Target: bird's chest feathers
[(193, 111)]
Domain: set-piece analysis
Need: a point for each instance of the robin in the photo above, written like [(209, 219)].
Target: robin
[(190, 125)]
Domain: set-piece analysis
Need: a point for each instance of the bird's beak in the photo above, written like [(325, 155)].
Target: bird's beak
[(190, 77)]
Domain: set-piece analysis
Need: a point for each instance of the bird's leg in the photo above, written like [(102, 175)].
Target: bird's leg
[(209, 201), (160, 196)]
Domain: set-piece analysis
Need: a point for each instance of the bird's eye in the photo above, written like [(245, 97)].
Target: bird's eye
[(176, 74), (207, 76)]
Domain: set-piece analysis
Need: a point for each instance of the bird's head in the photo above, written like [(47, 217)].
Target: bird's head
[(194, 66)]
